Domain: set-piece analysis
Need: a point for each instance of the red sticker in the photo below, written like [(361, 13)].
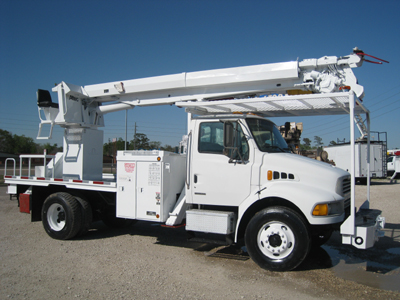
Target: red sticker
[(129, 167)]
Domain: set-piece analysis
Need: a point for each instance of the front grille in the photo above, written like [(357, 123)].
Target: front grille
[(346, 203), (346, 186)]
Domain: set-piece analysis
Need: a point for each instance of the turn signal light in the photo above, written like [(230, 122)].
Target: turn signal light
[(320, 210), (269, 175)]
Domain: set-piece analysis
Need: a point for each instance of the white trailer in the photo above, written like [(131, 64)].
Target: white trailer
[(340, 155), (236, 181)]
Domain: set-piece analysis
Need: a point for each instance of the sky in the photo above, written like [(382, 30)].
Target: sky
[(87, 42)]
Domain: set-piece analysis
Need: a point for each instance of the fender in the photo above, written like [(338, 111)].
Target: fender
[(298, 195)]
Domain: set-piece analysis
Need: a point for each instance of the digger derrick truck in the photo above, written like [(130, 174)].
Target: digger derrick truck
[(236, 180)]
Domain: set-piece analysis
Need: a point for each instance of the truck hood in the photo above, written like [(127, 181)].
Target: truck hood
[(308, 171)]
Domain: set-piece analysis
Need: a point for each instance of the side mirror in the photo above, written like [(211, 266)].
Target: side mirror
[(230, 142), (229, 135)]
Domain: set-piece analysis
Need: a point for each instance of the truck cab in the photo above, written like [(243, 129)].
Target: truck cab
[(249, 156), (240, 163)]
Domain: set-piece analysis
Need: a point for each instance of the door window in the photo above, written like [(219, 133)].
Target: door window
[(211, 140)]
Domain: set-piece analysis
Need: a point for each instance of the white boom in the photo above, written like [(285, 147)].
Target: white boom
[(82, 106)]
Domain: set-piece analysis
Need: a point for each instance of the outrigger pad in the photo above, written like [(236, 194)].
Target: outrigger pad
[(367, 217)]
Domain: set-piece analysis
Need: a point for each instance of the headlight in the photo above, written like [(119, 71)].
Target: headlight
[(328, 209), (321, 210)]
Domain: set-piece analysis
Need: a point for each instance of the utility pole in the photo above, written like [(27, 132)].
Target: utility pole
[(126, 127), (134, 139)]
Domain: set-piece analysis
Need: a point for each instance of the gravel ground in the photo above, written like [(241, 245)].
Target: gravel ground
[(147, 261)]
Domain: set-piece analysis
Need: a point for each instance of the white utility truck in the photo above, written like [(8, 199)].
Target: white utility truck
[(236, 179), (393, 165)]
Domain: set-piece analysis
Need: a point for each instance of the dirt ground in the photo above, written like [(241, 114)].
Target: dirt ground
[(147, 261)]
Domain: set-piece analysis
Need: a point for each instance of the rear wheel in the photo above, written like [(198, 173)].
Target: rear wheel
[(61, 216), (277, 239), (87, 216)]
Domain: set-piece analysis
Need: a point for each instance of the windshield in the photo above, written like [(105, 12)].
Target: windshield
[(267, 136)]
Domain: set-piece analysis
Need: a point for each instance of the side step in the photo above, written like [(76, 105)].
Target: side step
[(178, 214), (210, 238)]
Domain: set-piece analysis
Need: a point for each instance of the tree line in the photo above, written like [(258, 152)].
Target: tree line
[(317, 143), (140, 141), (21, 144)]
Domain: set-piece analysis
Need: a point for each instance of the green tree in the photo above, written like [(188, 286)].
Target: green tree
[(306, 145), (112, 146), (140, 141), (154, 145), (51, 149), (318, 141), (23, 144), (17, 144), (168, 148), (307, 142), (6, 142)]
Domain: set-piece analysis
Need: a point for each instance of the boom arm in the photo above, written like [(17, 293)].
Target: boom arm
[(84, 106)]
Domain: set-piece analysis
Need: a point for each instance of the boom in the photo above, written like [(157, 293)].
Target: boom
[(85, 106)]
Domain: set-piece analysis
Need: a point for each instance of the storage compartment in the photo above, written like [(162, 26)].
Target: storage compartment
[(219, 222), (148, 184)]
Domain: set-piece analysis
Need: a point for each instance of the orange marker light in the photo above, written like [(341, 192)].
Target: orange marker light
[(269, 177)]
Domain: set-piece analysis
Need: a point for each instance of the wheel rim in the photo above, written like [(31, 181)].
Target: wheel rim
[(275, 240), (56, 217)]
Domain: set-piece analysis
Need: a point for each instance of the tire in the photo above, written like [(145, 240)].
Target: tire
[(108, 216), (277, 239), (320, 238), (61, 216), (86, 217)]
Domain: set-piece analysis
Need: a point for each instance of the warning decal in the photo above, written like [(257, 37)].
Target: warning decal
[(154, 174), (129, 167)]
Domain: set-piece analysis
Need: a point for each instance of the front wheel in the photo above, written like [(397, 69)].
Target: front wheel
[(277, 239), (61, 216), (321, 237)]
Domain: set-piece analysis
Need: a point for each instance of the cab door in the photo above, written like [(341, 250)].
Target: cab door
[(215, 179)]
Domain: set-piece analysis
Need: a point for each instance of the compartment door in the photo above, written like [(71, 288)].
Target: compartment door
[(149, 183), (126, 189)]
